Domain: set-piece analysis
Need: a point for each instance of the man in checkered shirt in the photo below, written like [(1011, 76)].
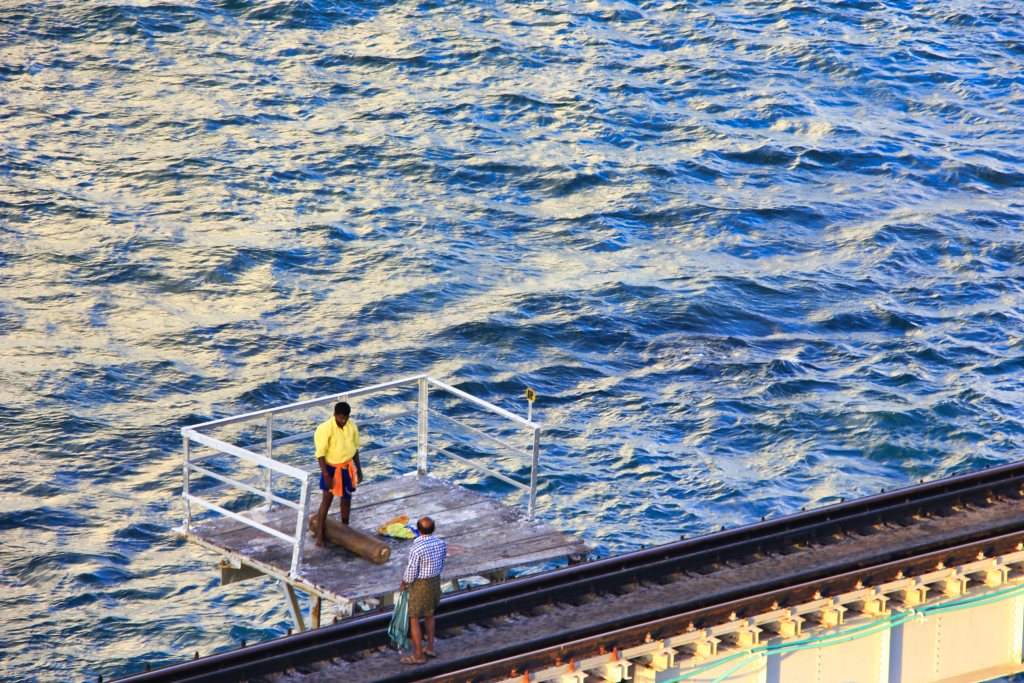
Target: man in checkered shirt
[(423, 578)]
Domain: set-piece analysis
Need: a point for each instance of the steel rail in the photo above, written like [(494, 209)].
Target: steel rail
[(358, 634)]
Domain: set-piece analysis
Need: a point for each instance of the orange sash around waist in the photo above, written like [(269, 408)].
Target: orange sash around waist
[(338, 488)]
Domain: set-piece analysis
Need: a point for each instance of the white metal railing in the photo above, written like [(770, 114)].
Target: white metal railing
[(306, 481), (271, 467)]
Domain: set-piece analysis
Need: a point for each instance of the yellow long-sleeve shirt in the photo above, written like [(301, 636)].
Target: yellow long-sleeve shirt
[(337, 445)]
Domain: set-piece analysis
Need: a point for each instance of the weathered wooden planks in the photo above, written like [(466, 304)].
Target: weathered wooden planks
[(483, 536)]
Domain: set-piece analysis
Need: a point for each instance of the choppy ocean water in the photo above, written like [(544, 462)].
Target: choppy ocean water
[(753, 256)]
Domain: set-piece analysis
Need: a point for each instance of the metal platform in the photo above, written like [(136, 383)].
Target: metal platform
[(251, 481)]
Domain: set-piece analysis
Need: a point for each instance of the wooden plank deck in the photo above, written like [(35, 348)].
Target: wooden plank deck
[(483, 537)]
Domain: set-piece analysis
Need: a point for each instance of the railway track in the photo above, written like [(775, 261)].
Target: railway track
[(961, 516)]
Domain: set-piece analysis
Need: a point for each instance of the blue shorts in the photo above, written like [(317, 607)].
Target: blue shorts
[(347, 484)]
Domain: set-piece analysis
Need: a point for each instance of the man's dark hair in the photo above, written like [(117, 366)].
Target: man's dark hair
[(425, 525), (342, 408)]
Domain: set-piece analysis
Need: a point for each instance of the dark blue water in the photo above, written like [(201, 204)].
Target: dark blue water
[(752, 255)]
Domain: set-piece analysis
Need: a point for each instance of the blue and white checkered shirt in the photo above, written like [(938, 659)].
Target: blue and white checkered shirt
[(426, 558)]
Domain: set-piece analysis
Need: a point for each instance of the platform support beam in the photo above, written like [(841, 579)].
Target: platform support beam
[(423, 410), (762, 669), (1017, 641), (293, 605), (884, 655), (234, 571)]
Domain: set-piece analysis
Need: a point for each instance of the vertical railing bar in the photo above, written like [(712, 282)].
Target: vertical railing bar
[(421, 427), (186, 521), (302, 519), (270, 454), (533, 473)]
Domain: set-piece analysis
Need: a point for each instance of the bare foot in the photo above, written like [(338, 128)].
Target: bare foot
[(319, 543)]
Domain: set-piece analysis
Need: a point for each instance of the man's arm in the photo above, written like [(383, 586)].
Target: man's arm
[(359, 466), (412, 568), (321, 441), (323, 470)]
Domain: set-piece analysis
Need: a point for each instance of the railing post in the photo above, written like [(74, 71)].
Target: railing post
[(269, 477), (186, 520), (421, 427), (533, 471), (301, 522)]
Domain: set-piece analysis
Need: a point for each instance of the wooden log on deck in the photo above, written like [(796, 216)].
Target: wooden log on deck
[(368, 547)]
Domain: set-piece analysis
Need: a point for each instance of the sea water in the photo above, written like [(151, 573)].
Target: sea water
[(752, 255)]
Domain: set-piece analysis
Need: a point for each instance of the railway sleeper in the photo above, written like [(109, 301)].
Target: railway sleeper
[(541, 610), (748, 559), (581, 599), (673, 577), (791, 549), (625, 588)]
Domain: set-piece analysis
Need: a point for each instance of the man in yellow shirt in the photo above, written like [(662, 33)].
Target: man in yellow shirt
[(337, 451)]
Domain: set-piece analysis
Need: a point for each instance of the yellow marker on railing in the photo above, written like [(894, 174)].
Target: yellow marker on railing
[(531, 396)]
